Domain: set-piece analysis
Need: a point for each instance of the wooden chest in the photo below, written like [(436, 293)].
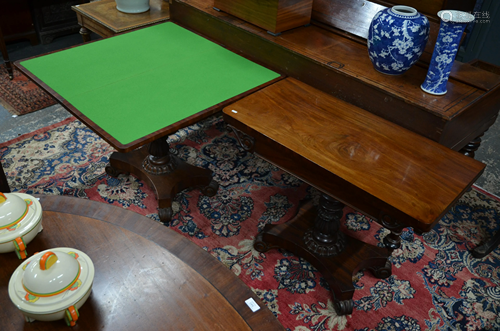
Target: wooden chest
[(273, 15)]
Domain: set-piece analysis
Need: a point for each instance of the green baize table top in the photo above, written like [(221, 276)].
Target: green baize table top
[(135, 84)]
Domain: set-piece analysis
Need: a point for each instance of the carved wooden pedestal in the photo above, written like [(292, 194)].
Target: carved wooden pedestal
[(315, 236), (166, 174)]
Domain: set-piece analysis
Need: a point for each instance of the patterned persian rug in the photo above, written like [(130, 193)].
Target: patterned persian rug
[(20, 95), (436, 283)]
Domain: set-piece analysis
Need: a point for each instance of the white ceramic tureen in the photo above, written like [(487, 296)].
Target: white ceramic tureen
[(52, 285), (20, 221)]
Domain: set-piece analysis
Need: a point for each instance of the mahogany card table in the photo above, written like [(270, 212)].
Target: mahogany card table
[(147, 277), (353, 157), (137, 88)]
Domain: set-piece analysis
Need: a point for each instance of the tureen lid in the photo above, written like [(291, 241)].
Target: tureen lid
[(51, 274), (19, 214), (12, 210), (39, 291)]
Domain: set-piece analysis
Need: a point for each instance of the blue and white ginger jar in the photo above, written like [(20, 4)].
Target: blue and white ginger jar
[(396, 39)]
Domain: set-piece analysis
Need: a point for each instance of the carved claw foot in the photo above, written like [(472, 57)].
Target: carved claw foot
[(165, 215), (344, 307), (211, 189), (111, 171), (260, 245), (391, 243), (486, 248), (382, 272)]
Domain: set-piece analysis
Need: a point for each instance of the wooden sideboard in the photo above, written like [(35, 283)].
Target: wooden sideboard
[(334, 61)]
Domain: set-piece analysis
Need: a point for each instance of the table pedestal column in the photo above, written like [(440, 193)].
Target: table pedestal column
[(165, 173), (315, 236)]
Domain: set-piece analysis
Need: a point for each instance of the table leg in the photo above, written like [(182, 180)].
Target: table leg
[(10, 70), (314, 235), (85, 34), (166, 174), (471, 148)]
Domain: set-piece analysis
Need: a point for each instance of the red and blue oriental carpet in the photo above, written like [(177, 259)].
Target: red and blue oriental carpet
[(20, 95), (436, 283)]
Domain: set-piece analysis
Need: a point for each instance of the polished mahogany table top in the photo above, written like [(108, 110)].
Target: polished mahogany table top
[(148, 277), (366, 162)]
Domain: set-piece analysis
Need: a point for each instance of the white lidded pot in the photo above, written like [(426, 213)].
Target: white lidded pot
[(52, 285), (20, 222), (132, 6)]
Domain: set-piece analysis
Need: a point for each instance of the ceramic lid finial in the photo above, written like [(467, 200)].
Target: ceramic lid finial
[(47, 260)]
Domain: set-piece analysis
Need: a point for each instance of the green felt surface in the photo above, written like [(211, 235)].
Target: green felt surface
[(137, 83)]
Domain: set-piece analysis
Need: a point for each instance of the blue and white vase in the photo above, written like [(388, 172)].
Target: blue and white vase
[(396, 39), (453, 23)]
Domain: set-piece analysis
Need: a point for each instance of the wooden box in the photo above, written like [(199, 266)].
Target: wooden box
[(273, 15)]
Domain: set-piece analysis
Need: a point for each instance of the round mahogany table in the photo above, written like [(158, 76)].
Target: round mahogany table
[(148, 277)]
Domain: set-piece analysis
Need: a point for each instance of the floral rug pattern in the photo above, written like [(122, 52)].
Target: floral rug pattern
[(436, 283)]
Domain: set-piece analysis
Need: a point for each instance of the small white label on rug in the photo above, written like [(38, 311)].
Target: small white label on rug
[(252, 304), (234, 111)]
